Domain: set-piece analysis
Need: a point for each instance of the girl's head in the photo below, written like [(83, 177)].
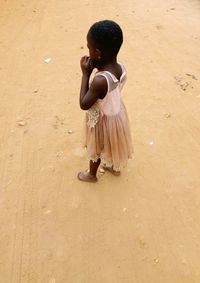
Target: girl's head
[(104, 40)]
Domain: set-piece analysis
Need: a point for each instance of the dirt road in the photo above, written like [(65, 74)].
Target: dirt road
[(141, 227)]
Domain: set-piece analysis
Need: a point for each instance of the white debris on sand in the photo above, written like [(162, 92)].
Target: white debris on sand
[(47, 60)]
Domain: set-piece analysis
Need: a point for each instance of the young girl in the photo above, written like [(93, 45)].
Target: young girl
[(108, 135)]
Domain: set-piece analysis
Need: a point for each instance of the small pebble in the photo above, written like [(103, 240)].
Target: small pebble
[(168, 115), (70, 132), (156, 260), (21, 123)]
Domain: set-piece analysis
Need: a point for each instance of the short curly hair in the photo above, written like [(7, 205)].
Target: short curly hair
[(107, 35)]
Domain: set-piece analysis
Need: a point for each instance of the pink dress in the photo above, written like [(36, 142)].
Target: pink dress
[(107, 126)]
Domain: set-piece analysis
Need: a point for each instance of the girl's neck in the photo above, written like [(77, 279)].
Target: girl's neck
[(113, 67), (107, 64)]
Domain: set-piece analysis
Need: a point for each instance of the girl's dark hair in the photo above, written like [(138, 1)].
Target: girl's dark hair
[(107, 36)]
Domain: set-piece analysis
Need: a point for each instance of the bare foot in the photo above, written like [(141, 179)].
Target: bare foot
[(111, 170), (85, 176)]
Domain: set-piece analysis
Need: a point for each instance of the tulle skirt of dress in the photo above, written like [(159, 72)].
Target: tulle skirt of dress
[(110, 139)]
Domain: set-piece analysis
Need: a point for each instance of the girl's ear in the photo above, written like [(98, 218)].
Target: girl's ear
[(99, 54)]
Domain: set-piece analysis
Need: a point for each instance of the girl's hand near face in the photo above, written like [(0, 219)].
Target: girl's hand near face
[(86, 65)]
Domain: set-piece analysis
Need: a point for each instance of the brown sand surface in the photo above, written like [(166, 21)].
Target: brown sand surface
[(141, 227)]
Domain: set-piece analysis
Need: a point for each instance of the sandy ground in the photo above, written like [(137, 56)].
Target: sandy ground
[(142, 227)]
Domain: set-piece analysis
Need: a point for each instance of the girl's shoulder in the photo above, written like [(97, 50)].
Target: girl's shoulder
[(114, 76)]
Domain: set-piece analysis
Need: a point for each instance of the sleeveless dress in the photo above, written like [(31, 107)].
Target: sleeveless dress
[(107, 131)]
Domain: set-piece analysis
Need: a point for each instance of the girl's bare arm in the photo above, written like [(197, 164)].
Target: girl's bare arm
[(97, 89)]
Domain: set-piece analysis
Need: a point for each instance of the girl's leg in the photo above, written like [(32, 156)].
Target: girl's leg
[(91, 175), (111, 170), (94, 166)]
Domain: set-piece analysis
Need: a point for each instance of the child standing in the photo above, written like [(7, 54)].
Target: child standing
[(108, 135)]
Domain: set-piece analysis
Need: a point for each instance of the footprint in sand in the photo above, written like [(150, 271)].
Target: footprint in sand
[(58, 121), (183, 81)]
